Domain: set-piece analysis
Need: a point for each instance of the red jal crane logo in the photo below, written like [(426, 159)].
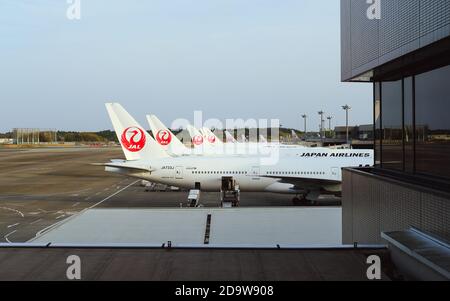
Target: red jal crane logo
[(197, 140), (164, 137), (212, 139), (133, 139)]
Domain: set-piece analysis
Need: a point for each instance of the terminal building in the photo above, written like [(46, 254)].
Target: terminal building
[(404, 52), (361, 132), (402, 48)]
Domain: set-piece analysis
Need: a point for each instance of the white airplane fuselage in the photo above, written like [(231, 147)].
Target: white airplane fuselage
[(320, 165)]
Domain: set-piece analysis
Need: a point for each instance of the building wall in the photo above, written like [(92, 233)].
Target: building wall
[(405, 26), (373, 204)]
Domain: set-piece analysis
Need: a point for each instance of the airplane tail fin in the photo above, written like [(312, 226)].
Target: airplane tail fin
[(165, 137), (135, 141), (230, 138), (211, 137), (196, 137)]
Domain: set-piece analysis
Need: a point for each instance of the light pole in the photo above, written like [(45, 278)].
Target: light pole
[(329, 123), (304, 116), (346, 108), (321, 113)]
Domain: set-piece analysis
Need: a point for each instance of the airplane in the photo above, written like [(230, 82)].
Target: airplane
[(243, 139), (166, 138), (295, 137), (304, 174), (230, 138), (211, 137)]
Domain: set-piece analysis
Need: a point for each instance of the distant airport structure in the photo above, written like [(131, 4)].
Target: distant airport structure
[(6, 141), (361, 132), (34, 136)]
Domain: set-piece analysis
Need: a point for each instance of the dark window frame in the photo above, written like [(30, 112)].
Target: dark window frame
[(378, 143)]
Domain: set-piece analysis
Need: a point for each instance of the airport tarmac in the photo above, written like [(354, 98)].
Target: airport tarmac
[(40, 187)]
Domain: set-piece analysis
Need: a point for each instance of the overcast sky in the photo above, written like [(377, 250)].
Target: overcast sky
[(228, 58)]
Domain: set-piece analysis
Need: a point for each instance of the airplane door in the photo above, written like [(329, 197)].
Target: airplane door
[(335, 172), (255, 171), (179, 172)]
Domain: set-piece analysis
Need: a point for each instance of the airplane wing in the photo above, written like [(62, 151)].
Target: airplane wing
[(302, 183), (124, 165)]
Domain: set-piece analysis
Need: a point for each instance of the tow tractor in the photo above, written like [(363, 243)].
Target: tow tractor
[(193, 197)]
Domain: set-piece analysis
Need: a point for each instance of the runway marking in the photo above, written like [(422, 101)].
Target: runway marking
[(115, 193), (13, 225), (14, 210), (38, 220), (39, 233), (7, 235), (76, 204)]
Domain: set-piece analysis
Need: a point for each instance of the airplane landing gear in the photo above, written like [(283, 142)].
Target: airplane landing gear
[(300, 200)]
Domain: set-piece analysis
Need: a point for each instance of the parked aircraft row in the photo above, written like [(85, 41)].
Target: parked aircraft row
[(205, 142), (301, 171)]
